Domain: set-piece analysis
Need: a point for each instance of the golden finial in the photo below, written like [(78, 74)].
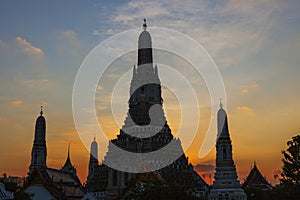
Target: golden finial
[(221, 104), (144, 25), (41, 113)]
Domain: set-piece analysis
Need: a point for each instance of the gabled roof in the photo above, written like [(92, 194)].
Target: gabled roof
[(67, 181), (63, 185), (39, 176), (256, 179)]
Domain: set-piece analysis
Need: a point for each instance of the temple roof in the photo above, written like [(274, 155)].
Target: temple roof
[(223, 131), (68, 167), (256, 179), (57, 182)]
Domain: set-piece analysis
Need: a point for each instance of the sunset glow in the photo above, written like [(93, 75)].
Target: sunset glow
[(255, 45)]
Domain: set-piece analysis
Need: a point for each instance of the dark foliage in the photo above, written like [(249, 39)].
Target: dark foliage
[(291, 162)]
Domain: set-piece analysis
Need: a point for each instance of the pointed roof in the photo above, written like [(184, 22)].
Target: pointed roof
[(223, 131), (256, 179), (145, 47), (40, 177), (40, 129), (94, 151), (68, 167)]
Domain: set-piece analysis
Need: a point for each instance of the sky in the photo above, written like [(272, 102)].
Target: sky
[(255, 45)]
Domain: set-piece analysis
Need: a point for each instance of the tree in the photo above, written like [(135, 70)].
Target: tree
[(291, 162)]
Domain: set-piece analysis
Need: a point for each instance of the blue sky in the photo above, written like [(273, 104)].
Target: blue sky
[(255, 44)]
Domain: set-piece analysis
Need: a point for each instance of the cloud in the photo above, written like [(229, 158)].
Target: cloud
[(3, 119), (137, 10), (245, 110), (231, 31), (3, 44), (27, 47), (70, 37), (110, 31), (36, 83), (16, 102), (249, 88), (69, 42), (204, 168)]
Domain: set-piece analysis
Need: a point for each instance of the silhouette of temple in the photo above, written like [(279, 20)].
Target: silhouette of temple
[(226, 185), (256, 180), (49, 183), (145, 115)]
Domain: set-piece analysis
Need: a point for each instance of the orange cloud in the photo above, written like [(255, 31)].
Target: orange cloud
[(3, 119), (245, 109), (246, 89), (16, 102), (27, 47)]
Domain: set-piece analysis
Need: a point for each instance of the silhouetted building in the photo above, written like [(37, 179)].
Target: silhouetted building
[(49, 183), (226, 185), (145, 100), (4, 194), (39, 150), (255, 179)]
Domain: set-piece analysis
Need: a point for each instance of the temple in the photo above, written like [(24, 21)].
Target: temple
[(226, 184), (44, 182), (256, 180), (136, 136)]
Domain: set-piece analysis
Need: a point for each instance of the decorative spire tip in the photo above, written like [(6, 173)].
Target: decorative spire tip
[(69, 150), (144, 25), (221, 104), (41, 113)]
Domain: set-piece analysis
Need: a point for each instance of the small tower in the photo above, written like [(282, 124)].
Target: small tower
[(68, 167), (93, 163), (39, 149), (226, 184)]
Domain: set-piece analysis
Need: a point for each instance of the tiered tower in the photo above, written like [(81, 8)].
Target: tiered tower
[(39, 149), (146, 130), (226, 185)]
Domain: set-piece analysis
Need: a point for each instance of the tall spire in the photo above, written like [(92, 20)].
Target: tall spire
[(222, 123), (145, 47), (145, 88), (39, 149), (68, 167), (226, 180), (68, 151)]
